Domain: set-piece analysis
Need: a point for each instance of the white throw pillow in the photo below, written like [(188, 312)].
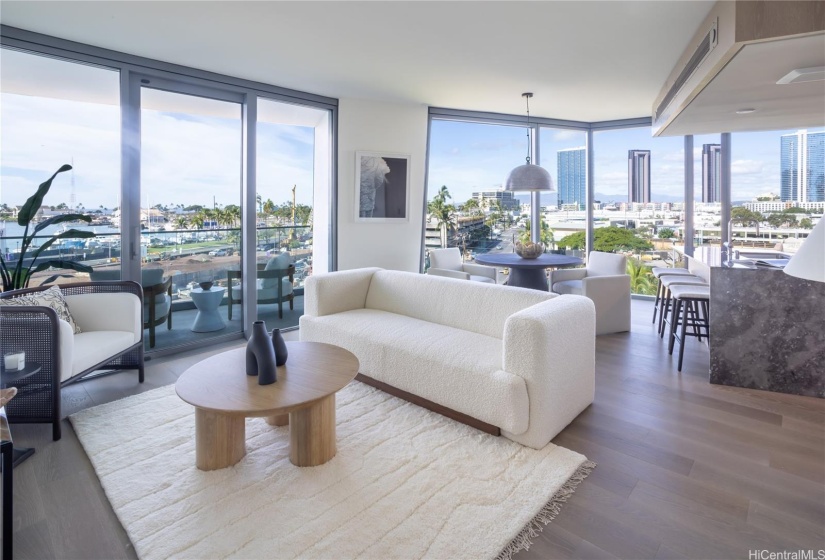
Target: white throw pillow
[(53, 298)]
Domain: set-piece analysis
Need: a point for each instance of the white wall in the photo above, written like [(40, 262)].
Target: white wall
[(381, 127)]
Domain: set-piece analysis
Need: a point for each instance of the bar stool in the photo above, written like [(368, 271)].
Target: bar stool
[(665, 304), (658, 272), (687, 300)]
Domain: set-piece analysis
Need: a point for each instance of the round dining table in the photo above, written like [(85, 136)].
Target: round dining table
[(528, 273)]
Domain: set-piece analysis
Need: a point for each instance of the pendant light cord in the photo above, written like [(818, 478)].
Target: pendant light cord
[(529, 130)]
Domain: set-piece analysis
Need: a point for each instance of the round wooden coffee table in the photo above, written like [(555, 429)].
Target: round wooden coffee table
[(304, 397)]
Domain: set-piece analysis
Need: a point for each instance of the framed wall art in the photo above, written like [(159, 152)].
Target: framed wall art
[(382, 183)]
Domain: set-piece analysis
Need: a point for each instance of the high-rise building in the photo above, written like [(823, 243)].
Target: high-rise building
[(572, 177), (711, 172), (802, 165), (638, 176)]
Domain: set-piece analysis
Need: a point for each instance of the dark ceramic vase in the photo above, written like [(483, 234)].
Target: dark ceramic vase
[(260, 355), (279, 344)]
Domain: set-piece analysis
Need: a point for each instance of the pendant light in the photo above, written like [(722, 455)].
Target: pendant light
[(529, 177)]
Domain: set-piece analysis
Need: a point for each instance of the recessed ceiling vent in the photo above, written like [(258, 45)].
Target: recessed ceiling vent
[(707, 44)]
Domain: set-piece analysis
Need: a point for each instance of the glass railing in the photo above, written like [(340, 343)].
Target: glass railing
[(188, 258)]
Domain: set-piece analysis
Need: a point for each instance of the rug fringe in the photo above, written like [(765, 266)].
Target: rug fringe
[(524, 539)]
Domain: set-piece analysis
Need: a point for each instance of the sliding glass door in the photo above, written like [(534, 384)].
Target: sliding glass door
[(190, 213)]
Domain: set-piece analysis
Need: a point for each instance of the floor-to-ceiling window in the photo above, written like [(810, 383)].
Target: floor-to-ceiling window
[(167, 160), (777, 187), (292, 181), (639, 199), (190, 213), (563, 153), (466, 205), (56, 112)]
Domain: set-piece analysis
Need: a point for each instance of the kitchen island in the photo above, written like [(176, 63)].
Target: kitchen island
[(767, 328)]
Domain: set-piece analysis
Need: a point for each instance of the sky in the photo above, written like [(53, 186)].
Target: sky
[(187, 159), (468, 157)]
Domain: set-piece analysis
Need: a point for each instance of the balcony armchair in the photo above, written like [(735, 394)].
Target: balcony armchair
[(606, 282), (109, 316), (155, 289), (447, 262), (273, 284)]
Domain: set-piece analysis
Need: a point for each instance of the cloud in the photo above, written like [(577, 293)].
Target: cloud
[(562, 135), (746, 167)]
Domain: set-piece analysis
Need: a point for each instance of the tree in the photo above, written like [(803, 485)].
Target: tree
[(472, 206), (744, 217), (666, 233), (198, 220), (806, 223), (642, 280), (780, 219), (181, 222), (443, 213), (609, 240), (547, 234), (795, 210), (268, 207)]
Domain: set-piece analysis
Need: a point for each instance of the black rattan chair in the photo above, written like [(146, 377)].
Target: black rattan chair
[(36, 331)]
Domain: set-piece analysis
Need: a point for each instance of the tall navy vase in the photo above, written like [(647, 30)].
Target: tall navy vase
[(279, 344), (260, 355)]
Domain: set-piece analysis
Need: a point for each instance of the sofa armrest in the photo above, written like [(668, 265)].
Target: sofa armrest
[(611, 296), (552, 346), (567, 274), (480, 270), (336, 292), (107, 312), (447, 273)]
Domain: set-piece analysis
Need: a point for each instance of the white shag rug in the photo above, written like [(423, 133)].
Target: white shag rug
[(406, 483)]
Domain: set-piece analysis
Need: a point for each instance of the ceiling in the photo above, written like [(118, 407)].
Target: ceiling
[(748, 81), (585, 61)]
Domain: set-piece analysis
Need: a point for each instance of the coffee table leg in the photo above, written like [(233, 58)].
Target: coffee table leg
[(220, 439), (312, 434), (280, 420)]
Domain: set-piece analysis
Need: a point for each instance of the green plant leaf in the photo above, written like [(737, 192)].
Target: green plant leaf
[(60, 219), (34, 202)]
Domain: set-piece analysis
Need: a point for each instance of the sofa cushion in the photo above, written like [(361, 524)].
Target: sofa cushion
[(458, 369), (91, 348), (573, 287), (471, 306), (52, 297)]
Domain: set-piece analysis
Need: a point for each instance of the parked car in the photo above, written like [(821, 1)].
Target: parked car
[(218, 253)]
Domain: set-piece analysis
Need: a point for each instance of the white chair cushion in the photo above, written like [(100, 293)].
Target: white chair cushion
[(458, 369), (91, 348), (280, 262), (449, 259), (571, 287), (265, 293), (606, 264), (487, 279), (162, 304)]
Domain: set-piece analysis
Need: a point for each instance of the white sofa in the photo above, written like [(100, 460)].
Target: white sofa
[(519, 359), (109, 315)]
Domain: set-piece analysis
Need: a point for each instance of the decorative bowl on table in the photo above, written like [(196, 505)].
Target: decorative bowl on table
[(205, 286), (529, 250)]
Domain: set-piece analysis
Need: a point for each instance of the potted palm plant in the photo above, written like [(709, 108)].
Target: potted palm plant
[(17, 275)]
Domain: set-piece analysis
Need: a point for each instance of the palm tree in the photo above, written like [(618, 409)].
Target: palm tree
[(180, 223), (198, 220), (472, 207), (642, 280), (444, 214), (547, 234)]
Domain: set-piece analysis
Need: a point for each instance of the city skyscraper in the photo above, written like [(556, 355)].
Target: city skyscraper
[(572, 175), (711, 172), (802, 167), (638, 175)]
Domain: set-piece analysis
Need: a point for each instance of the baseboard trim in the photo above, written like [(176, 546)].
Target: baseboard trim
[(430, 405)]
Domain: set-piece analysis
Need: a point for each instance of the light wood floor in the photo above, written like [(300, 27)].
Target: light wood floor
[(686, 469)]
